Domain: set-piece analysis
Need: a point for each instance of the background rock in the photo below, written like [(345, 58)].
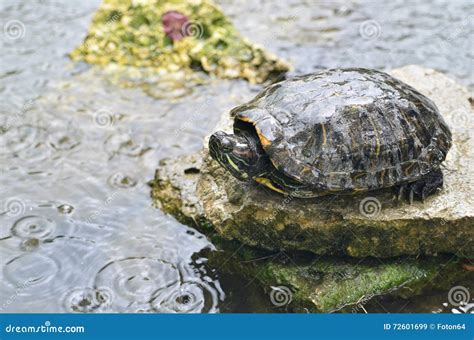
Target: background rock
[(197, 36)]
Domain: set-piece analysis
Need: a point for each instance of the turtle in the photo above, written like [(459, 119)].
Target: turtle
[(338, 131)]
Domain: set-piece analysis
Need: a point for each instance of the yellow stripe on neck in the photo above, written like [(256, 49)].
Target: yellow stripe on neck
[(269, 184), (232, 164)]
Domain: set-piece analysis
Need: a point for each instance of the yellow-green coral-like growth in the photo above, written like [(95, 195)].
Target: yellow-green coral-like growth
[(132, 32)]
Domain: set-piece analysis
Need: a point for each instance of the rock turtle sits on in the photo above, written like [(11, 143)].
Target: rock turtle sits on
[(340, 131)]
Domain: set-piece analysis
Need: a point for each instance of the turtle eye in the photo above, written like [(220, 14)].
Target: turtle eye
[(227, 145)]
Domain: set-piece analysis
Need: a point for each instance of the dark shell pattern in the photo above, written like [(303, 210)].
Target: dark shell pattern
[(347, 130)]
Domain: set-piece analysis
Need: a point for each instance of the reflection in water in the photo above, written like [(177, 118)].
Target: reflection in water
[(77, 230)]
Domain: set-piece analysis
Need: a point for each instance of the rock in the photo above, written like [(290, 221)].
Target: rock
[(301, 283), (174, 36), (198, 192), (371, 225)]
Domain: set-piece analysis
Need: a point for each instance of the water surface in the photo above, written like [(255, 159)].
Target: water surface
[(78, 231)]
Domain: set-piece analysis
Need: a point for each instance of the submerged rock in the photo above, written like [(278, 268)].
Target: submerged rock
[(196, 188), (172, 36), (301, 283)]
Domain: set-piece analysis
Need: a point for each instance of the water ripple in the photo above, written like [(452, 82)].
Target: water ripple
[(88, 300), (30, 269), (34, 227), (16, 139)]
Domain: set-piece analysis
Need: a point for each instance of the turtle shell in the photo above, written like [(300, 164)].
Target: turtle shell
[(348, 130)]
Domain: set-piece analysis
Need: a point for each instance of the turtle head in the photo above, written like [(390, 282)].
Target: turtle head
[(235, 153)]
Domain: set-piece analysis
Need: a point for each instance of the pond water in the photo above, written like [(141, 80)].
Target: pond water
[(78, 231)]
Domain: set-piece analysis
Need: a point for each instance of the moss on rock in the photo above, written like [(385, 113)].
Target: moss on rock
[(131, 32), (328, 284)]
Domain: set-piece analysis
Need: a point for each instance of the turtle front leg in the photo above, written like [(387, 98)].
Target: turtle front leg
[(422, 188)]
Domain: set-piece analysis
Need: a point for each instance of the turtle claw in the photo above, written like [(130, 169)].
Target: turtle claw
[(423, 196), (400, 193), (422, 188)]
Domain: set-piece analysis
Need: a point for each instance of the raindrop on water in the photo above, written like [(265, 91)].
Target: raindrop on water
[(87, 300), (30, 244), (62, 140), (120, 180), (65, 209)]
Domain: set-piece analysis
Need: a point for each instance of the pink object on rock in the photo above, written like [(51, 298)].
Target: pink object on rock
[(174, 24)]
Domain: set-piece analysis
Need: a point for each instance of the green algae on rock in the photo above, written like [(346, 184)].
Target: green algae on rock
[(131, 32), (328, 284), (336, 225)]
